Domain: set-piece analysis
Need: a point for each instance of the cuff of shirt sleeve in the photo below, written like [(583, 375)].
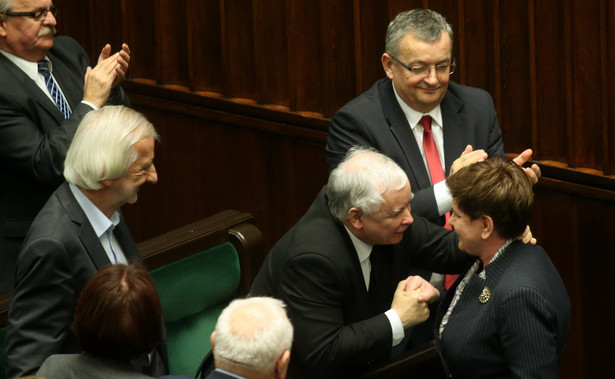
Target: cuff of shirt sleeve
[(90, 104), (396, 326), (443, 197)]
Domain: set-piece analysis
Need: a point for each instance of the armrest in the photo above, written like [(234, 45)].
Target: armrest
[(420, 362)]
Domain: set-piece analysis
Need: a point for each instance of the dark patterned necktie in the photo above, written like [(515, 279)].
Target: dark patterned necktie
[(43, 68)]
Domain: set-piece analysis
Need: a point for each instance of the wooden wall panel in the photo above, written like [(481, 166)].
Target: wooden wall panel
[(171, 43), (140, 37), (586, 18), (371, 19), (271, 71), (238, 49), (338, 50), (204, 46), (551, 62), (305, 59), (513, 96)]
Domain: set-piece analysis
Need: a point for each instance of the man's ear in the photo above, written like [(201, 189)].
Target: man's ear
[(355, 218), (2, 27), (106, 182), (282, 365), (387, 64), (488, 228), (212, 339)]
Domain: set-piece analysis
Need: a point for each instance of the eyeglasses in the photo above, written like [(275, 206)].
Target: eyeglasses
[(38, 15), (424, 71)]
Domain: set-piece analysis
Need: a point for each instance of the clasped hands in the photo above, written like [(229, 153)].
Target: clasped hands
[(106, 75), (412, 298)]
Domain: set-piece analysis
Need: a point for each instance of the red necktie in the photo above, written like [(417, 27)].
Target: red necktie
[(437, 174)]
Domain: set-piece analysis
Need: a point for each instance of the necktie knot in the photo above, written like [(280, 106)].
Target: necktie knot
[(426, 123), (43, 67)]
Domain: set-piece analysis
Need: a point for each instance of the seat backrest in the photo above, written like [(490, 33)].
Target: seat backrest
[(193, 291), (198, 269)]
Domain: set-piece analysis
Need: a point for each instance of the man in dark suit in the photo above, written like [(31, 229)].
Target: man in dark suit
[(347, 290), (79, 231), (418, 62), (34, 132)]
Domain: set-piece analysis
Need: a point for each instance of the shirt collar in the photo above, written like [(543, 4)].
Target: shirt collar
[(229, 373), (414, 116), (363, 249), (100, 223), (29, 68)]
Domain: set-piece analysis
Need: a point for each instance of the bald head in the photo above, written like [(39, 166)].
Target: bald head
[(252, 335)]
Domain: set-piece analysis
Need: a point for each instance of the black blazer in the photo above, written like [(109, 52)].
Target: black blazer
[(314, 269), (375, 119), (520, 332), (60, 255), (34, 139)]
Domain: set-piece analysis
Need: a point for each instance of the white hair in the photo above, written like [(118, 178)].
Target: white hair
[(361, 182), (253, 332), (6, 5), (103, 146)]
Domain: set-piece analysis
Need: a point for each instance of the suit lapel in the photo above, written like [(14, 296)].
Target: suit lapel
[(89, 239), (454, 142), (125, 240), (398, 123), (34, 92)]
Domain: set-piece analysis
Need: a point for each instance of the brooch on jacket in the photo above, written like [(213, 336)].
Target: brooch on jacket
[(485, 295)]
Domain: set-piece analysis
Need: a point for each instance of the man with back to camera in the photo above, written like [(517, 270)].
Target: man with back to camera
[(46, 87), (347, 290), (79, 231), (252, 339)]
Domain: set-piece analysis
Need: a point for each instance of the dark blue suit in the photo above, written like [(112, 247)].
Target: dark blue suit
[(375, 119), (34, 139), (520, 332)]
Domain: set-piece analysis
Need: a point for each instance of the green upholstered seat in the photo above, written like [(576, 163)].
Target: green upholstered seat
[(193, 291)]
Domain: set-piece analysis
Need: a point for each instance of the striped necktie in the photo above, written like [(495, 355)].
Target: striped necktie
[(43, 68)]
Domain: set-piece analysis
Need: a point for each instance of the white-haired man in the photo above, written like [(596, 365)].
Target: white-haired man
[(78, 232), (252, 339), (46, 87), (347, 290)]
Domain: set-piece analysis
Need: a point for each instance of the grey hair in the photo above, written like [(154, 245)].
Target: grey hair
[(6, 5), (103, 146), (362, 185), (253, 332), (424, 24)]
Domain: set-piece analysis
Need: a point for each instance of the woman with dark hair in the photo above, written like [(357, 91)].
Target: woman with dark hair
[(117, 320), (508, 313)]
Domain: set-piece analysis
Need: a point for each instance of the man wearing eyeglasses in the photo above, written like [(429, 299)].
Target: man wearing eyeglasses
[(46, 87), (428, 124)]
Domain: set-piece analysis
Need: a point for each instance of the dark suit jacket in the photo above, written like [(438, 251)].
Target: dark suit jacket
[(375, 119), (60, 255), (314, 269), (520, 332), (84, 365), (34, 139)]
